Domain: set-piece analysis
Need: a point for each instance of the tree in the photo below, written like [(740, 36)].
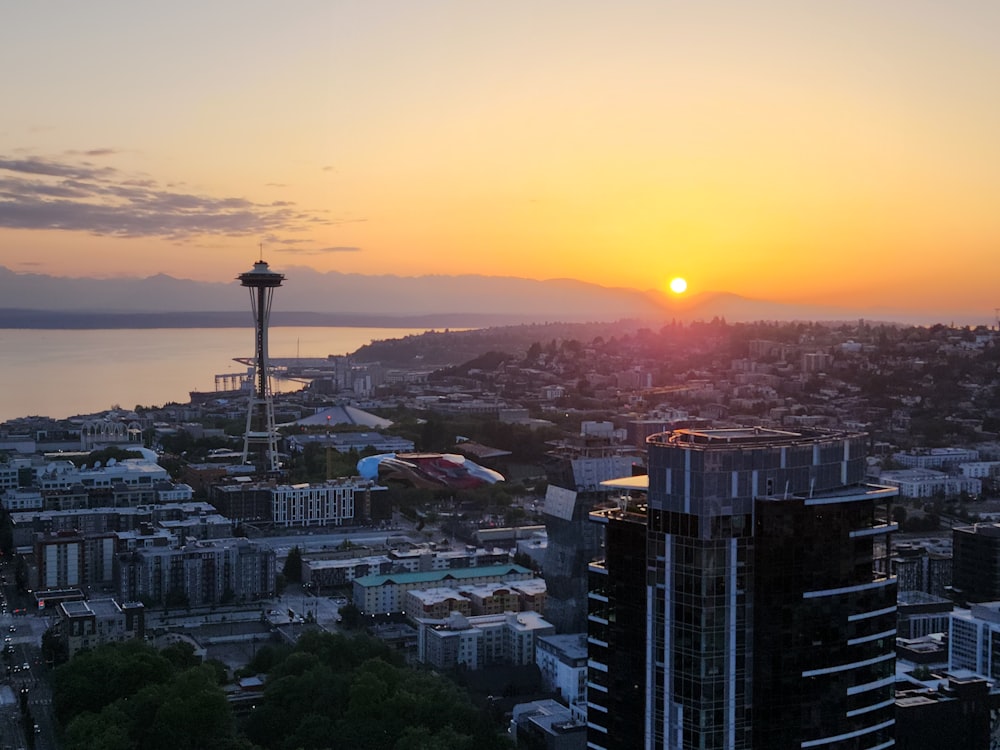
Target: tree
[(350, 616), (127, 695), (355, 689), (292, 570)]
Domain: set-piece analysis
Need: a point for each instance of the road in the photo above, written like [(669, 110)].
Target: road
[(23, 670)]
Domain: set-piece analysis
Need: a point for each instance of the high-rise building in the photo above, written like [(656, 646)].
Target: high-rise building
[(976, 564), (260, 441), (739, 603)]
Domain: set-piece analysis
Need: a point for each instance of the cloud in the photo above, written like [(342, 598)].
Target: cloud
[(318, 250), (42, 193), (94, 152)]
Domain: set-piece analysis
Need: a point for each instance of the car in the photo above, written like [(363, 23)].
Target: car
[(12, 628), (25, 667)]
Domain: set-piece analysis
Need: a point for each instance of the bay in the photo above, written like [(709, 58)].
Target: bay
[(64, 373)]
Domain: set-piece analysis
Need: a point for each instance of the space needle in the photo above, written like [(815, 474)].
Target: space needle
[(261, 437)]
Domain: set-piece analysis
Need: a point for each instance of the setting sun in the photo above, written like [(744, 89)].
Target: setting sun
[(678, 285)]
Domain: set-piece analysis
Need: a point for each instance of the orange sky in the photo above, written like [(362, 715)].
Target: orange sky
[(838, 153)]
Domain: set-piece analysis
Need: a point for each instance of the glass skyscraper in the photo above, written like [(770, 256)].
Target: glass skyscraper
[(738, 604)]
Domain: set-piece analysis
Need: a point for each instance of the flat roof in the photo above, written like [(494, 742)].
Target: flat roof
[(638, 483), (723, 436), (441, 575)]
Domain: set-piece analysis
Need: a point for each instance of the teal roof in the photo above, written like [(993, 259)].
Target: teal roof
[(433, 576)]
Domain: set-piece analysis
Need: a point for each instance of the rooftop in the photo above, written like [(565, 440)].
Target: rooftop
[(443, 575), (746, 436)]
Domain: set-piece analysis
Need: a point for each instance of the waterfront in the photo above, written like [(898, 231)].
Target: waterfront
[(62, 373)]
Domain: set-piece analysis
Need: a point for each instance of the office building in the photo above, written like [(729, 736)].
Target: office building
[(738, 605), (976, 562)]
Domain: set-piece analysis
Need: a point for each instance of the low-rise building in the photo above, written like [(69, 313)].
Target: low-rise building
[(89, 624), (956, 714), (562, 660), (924, 483), (482, 641), (936, 458), (491, 599), (920, 614), (435, 603), (384, 593), (547, 725)]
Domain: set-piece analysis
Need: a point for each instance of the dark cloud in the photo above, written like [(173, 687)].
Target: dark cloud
[(318, 250), (47, 168), (94, 152), (40, 193)]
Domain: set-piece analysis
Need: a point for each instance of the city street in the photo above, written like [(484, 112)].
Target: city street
[(24, 671)]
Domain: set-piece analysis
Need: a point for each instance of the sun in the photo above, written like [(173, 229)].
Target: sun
[(678, 285)]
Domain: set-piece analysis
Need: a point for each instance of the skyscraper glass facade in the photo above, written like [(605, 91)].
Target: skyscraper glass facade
[(765, 625)]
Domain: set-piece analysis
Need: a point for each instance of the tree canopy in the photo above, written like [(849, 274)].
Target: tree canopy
[(128, 695), (355, 690)]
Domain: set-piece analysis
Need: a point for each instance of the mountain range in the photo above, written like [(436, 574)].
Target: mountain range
[(309, 297)]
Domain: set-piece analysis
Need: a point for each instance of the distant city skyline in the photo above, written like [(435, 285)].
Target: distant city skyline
[(832, 155)]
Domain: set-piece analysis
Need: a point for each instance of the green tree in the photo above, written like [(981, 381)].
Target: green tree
[(128, 695), (355, 689), (351, 617), (292, 570)]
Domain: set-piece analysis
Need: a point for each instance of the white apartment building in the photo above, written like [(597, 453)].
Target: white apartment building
[(980, 469), (936, 458), (329, 504), (973, 640), (8, 476), (19, 500), (134, 472), (479, 642), (562, 660), (920, 483), (174, 493)]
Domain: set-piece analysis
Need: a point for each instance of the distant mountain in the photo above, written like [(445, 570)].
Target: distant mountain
[(309, 297)]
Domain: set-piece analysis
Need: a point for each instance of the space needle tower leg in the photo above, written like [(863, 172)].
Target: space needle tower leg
[(260, 441)]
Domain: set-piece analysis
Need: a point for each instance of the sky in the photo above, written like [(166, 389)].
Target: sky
[(837, 153)]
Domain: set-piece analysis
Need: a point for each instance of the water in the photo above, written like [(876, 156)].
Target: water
[(61, 373)]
